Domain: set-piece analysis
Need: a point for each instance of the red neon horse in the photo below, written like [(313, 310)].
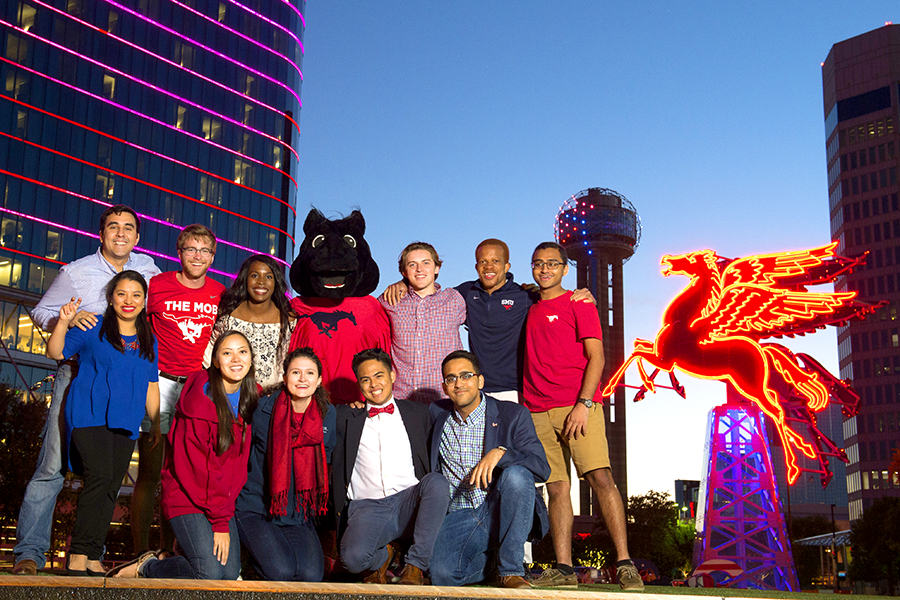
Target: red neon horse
[(712, 329)]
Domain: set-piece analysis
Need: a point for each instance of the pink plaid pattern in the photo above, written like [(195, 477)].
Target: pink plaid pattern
[(423, 332)]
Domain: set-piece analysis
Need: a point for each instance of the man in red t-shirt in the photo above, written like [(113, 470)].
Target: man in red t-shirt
[(182, 306), (563, 366)]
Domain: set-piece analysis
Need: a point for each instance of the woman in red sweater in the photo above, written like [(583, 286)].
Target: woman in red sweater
[(207, 467)]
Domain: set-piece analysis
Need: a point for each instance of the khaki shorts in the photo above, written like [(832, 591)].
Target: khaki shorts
[(588, 452)]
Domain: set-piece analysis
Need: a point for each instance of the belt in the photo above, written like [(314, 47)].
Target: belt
[(175, 378)]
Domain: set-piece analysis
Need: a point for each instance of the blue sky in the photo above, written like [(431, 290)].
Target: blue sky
[(452, 122)]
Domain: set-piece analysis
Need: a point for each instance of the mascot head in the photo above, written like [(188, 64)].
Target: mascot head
[(334, 260)]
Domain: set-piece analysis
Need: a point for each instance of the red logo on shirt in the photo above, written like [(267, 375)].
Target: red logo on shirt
[(507, 304)]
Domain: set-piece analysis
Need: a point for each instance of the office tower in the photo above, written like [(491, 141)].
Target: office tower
[(184, 110), (600, 230), (861, 99)]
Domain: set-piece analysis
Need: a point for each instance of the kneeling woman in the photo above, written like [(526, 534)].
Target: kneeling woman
[(287, 483), (207, 467), (116, 382)]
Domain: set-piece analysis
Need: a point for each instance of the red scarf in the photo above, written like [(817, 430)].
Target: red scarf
[(297, 440)]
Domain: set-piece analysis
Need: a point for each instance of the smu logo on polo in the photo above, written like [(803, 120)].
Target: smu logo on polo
[(507, 303), (552, 318)]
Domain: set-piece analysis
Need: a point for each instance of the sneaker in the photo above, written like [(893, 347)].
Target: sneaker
[(556, 578), (629, 578)]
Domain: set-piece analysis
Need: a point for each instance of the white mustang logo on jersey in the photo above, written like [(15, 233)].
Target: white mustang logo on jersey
[(190, 329), (552, 318)]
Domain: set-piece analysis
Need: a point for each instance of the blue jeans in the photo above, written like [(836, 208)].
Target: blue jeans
[(282, 552), (195, 538), (502, 522), (415, 513), (36, 513)]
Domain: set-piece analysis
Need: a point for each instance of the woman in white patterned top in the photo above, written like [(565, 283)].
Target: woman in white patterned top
[(257, 305)]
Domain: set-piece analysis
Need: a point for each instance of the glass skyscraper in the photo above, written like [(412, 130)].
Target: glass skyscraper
[(184, 110), (861, 87)]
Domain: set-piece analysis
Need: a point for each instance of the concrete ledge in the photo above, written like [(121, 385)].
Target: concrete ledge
[(96, 588)]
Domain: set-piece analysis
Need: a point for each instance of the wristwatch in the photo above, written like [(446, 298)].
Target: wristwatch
[(588, 403)]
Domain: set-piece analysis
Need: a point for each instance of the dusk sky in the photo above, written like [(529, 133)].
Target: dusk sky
[(452, 122)]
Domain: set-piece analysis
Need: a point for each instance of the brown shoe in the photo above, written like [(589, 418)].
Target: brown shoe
[(514, 582), (380, 576), (26, 566), (412, 575)]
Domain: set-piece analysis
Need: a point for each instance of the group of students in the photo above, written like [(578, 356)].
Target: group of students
[(241, 432)]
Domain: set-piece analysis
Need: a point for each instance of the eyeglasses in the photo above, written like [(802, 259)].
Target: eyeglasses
[(550, 264), (191, 251), (464, 376)]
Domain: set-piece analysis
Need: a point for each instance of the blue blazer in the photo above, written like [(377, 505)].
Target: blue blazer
[(509, 425)]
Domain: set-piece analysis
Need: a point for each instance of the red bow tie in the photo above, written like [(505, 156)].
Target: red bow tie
[(389, 409)]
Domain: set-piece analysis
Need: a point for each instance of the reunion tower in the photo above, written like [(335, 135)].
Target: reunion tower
[(600, 230)]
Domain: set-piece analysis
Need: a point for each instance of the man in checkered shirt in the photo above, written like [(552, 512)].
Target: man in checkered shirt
[(491, 456), (424, 325)]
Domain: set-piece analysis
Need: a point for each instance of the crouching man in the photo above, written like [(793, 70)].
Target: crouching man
[(491, 456), (383, 487)]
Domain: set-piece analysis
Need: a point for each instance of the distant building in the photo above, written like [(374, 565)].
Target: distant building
[(861, 101), (687, 494), (185, 111)]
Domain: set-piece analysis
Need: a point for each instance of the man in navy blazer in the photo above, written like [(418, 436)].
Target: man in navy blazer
[(491, 456), (382, 483)]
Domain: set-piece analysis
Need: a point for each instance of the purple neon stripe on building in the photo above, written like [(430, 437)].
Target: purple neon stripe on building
[(176, 65), (273, 24), (141, 215), (240, 35), (142, 115), (152, 87), (296, 10), (94, 236), (145, 182), (141, 148)]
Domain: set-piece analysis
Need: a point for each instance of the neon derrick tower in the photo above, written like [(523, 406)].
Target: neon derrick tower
[(600, 230)]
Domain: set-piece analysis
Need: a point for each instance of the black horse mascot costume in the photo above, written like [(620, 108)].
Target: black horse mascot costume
[(334, 273)]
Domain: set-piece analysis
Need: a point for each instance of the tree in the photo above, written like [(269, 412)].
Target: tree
[(654, 532), (21, 425), (875, 538), (806, 558)]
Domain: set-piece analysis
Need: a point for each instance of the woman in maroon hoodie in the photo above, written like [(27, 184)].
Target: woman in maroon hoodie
[(207, 467)]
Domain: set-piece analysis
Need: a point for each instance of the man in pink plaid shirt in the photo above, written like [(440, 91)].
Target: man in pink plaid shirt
[(424, 325)]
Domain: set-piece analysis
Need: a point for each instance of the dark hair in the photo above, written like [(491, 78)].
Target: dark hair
[(553, 246), (464, 354), (109, 329), (199, 232), (237, 293), (497, 244), (418, 246), (216, 393), (323, 398), (118, 209), (371, 354)]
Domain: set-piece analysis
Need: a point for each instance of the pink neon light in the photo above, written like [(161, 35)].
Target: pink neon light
[(296, 10), (225, 56), (141, 215), (147, 183), (142, 115), (241, 35), (274, 24), (146, 84), (176, 65), (163, 156), (94, 235)]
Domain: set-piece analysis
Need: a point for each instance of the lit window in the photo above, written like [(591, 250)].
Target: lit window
[(16, 49), (21, 123), (248, 85), (248, 110), (26, 16), (181, 117), (221, 12), (276, 155), (73, 7), (109, 87), (112, 22), (212, 128)]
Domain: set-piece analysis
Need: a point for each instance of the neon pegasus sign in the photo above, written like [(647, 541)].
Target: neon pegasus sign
[(713, 328)]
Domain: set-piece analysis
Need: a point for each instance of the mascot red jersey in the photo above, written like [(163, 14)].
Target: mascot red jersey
[(334, 273)]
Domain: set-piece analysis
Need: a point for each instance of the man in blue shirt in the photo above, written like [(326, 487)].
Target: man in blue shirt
[(85, 278), (492, 458)]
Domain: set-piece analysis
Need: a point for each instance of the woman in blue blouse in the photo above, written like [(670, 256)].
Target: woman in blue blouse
[(287, 479), (116, 383)]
